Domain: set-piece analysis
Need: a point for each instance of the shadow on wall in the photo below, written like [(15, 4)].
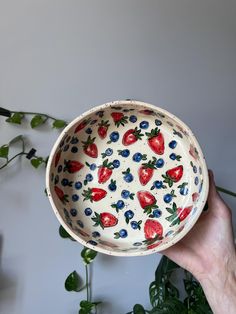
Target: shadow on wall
[(8, 285)]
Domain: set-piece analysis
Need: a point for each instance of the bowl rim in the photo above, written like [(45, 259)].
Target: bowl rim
[(175, 239)]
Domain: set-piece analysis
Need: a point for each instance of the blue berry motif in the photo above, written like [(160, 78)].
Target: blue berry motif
[(114, 137), (89, 177), (92, 242), (194, 169), (64, 182), (92, 167), (74, 140), (169, 196), (133, 119), (56, 179), (158, 184), (88, 211), (112, 186), (137, 244), (158, 122), (196, 180), (80, 223), (137, 157), (119, 205), (128, 177), (173, 144), (75, 197), (124, 153), (173, 156), (74, 149), (144, 125), (109, 151), (78, 185), (73, 212), (66, 147), (116, 163), (125, 194), (136, 224), (160, 163), (89, 131), (96, 234), (129, 214), (156, 213), (121, 234), (59, 169)]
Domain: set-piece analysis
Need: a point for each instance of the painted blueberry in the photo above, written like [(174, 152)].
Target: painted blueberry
[(172, 156), (158, 122), (59, 169), (114, 136), (116, 163), (194, 169), (183, 190), (196, 180), (157, 213), (160, 163), (137, 157), (125, 194), (109, 151), (80, 223), (133, 119), (89, 131), (73, 212), (129, 214), (88, 211), (56, 179), (66, 147), (92, 242), (78, 185), (120, 204), (96, 234), (134, 224), (123, 233), (92, 167), (168, 198), (173, 144), (158, 184), (128, 178), (200, 170), (74, 149), (137, 244), (144, 125), (89, 177), (75, 197), (125, 153), (112, 186), (64, 182), (74, 140)]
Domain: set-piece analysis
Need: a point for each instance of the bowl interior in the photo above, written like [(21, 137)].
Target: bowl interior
[(127, 178)]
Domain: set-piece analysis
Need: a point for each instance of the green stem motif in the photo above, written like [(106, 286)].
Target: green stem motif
[(220, 189), (87, 283), (35, 113), (8, 161)]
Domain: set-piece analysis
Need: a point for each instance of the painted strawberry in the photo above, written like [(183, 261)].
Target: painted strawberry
[(177, 214), (102, 129), (146, 171), (105, 220), (154, 245), (193, 152), (82, 125), (73, 166), (119, 118), (156, 141), (147, 112), (90, 148), (131, 136), (94, 194), (105, 171), (147, 201), (195, 197), (61, 195), (153, 230), (57, 158), (173, 175)]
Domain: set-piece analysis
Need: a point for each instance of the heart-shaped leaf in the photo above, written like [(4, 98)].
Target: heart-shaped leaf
[(36, 162), (37, 120), (73, 282), (16, 118), (58, 124), (4, 150), (138, 309), (88, 255)]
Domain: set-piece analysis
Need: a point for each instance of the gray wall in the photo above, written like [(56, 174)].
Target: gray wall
[(63, 57)]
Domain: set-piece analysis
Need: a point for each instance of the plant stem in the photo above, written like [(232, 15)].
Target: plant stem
[(8, 161), (220, 189), (36, 113), (87, 282)]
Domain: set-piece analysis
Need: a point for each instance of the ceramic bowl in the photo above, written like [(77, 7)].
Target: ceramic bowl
[(127, 178)]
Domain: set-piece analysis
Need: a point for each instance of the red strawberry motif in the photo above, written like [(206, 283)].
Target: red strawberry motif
[(73, 166), (147, 112), (153, 230), (90, 148), (178, 214), (173, 175), (147, 201), (57, 158), (82, 125), (193, 152), (81, 232), (146, 171), (61, 195), (156, 141), (102, 129), (105, 171), (94, 194), (105, 220), (195, 197), (131, 136), (119, 118), (152, 246)]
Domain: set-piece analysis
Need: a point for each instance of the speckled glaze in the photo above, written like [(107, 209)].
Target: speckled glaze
[(127, 178)]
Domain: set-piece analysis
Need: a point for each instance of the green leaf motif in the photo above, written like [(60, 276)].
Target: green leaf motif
[(73, 282), (4, 150), (37, 120), (58, 124), (88, 255), (87, 306), (36, 162), (138, 309), (16, 118)]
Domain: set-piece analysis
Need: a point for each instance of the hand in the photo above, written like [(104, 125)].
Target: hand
[(208, 251)]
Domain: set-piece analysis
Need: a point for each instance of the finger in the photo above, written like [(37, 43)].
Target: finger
[(213, 196)]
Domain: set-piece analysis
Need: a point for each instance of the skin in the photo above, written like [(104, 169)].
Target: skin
[(208, 252)]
